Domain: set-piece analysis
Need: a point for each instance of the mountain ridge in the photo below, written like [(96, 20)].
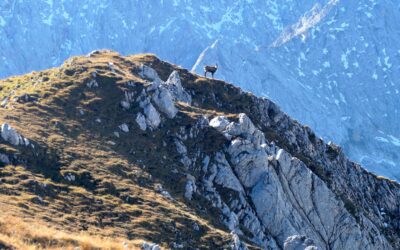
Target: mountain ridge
[(342, 72), (134, 137)]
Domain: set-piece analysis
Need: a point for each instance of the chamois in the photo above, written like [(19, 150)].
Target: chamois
[(211, 69)]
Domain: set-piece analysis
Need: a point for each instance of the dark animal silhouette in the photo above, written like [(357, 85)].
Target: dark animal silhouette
[(211, 69)]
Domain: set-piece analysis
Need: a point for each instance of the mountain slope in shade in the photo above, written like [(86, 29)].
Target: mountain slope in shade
[(137, 148)]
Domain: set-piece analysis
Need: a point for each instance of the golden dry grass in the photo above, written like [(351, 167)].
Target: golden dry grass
[(33, 235)]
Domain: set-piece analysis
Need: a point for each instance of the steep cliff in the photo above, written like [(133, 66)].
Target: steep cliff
[(139, 148)]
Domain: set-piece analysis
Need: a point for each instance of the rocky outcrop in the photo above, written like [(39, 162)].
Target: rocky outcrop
[(150, 246), (278, 196), (266, 179), (11, 136), (174, 85), (163, 99)]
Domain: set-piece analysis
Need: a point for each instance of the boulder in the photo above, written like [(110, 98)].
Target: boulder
[(164, 102), (152, 116), (141, 121), (124, 127), (150, 74), (150, 246), (219, 123), (11, 136)]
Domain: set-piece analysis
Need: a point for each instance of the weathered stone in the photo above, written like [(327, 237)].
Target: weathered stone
[(150, 246), (124, 127), (174, 85), (152, 116), (219, 123), (163, 100), (150, 74), (297, 242), (190, 186), (141, 121)]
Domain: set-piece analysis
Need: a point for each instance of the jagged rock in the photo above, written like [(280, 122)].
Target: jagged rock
[(174, 85), (163, 100), (129, 98), (152, 116), (190, 186), (237, 244), (150, 246), (10, 135), (297, 242), (150, 74), (245, 126), (141, 121), (124, 127), (219, 123), (300, 199), (225, 176)]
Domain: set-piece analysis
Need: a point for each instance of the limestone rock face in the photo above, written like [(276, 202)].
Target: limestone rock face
[(163, 99), (152, 116), (287, 199), (175, 86)]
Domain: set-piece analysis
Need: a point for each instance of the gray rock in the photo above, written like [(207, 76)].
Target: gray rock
[(163, 100), (190, 186), (175, 87), (297, 242), (11, 136), (150, 246), (152, 116), (141, 121), (219, 123), (124, 127), (150, 74), (237, 244)]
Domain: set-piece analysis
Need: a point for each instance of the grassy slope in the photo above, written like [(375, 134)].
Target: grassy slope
[(113, 195)]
